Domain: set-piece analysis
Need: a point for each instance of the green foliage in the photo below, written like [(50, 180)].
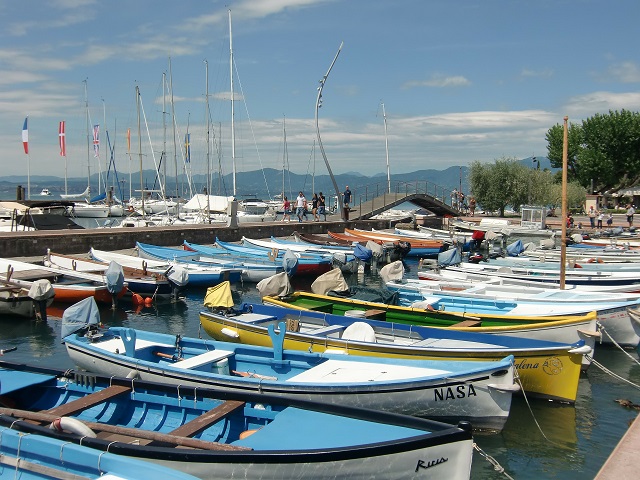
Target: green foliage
[(604, 149), (508, 182)]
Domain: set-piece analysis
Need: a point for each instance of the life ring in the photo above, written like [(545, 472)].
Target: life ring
[(72, 425)]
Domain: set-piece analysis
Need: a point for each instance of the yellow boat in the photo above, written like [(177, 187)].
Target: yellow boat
[(549, 370)]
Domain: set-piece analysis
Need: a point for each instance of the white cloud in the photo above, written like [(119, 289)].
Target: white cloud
[(439, 81), (584, 106), (625, 72)]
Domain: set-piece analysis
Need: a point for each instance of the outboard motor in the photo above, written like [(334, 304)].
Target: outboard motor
[(41, 292), (115, 281), (402, 248), (178, 278)]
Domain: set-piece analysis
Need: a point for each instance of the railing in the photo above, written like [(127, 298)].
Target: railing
[(400, 190)]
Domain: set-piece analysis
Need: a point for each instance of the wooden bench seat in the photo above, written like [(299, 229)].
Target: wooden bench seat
[(324, 331), (468, 323), (202, 359)]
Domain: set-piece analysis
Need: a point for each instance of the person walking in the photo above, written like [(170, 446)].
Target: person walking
[(592, 217), (301, 206), (600, 219), (610, 220), (346, 197), (630, 211), (314, 207), (286, 210), (322, 206), (472, 206)]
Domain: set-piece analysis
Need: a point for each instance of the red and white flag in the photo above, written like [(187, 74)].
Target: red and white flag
[(25, 136), (96, 140), (61, 138)]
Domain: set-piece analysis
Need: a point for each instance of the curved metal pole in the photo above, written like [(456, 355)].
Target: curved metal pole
[(324, 155)]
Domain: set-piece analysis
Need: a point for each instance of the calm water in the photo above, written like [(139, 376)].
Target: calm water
[(576, 441)]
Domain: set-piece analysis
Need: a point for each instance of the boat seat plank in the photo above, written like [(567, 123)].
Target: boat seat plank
[(32, 274), (133, 432), (207, 419), (322, 332), (202, 359), (89, 401), (468, 323), (256, 317)]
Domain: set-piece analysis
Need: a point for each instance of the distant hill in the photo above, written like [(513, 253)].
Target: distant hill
[(440, 182)]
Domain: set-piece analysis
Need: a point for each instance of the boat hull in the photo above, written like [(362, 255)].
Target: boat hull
[(481, 396), (550, 373)]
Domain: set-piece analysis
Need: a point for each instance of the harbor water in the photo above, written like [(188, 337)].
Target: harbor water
[(541, 440)]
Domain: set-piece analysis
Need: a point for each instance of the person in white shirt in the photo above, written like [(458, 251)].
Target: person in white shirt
[(301, 206)]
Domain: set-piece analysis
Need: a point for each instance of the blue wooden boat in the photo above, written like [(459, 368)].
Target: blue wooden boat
[(547, 369), (198, 275), (214, 434), (308, 263), (37, 457), (252, 271), (479, 392)]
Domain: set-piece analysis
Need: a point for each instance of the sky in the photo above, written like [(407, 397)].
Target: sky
[(456, 81)]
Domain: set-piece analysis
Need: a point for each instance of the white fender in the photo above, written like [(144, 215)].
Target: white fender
[(72, 425)]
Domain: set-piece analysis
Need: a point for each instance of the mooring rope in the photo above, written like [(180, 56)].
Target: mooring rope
[(496, 465), (526, 399), (604, 330), (609, 372)]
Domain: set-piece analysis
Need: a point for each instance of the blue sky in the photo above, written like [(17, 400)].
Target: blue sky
[(460, 80)]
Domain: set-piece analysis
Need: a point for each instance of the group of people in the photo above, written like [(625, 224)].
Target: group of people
[(598, 216), (318, 207), (459, 201)]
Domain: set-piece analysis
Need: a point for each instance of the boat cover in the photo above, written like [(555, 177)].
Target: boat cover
[(333, 280), (277, 285), (41, 290), (219, 296), (290, 263), (376, 249), (516, 248), (79, 315), (449, 257), (392, 271), (363, 253), (369, 294), (178, 276), (115, 278)]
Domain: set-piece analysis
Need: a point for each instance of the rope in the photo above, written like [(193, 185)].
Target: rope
[(603, 330), (535, 420), (613, 374), (496, 466)]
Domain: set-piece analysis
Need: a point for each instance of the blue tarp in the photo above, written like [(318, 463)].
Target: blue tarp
[(363, 253), (516, 248), (79, 315), (449, 257)]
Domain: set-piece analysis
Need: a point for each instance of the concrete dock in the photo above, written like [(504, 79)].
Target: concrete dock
[(621, 464)]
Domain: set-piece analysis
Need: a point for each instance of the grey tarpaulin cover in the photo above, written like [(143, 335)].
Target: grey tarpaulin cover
[(332, 280), (277, 285), (178, 276), (79, 315), (392, 271), (115, 278), (41, 290)]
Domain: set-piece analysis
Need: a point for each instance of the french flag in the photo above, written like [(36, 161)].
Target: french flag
[(25, 136)]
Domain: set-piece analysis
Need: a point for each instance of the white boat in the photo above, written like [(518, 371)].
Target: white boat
[(88, 210), (424, 388), (612, 309), (45, 192)]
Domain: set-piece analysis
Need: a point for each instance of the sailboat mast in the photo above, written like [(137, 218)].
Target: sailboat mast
[(163, 157), (140, 147), (173, 124), (386, 146), (284, 153), (86, 109), (233, 132), (206, 64)]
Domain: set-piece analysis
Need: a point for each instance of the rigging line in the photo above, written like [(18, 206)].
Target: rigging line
[(604, 330), (255, 143), (153, 155)]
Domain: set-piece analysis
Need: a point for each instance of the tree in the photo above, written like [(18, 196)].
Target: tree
[(506, 182), (603, 152)]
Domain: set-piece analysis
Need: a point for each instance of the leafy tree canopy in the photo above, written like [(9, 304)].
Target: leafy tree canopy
[(604, 149)]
